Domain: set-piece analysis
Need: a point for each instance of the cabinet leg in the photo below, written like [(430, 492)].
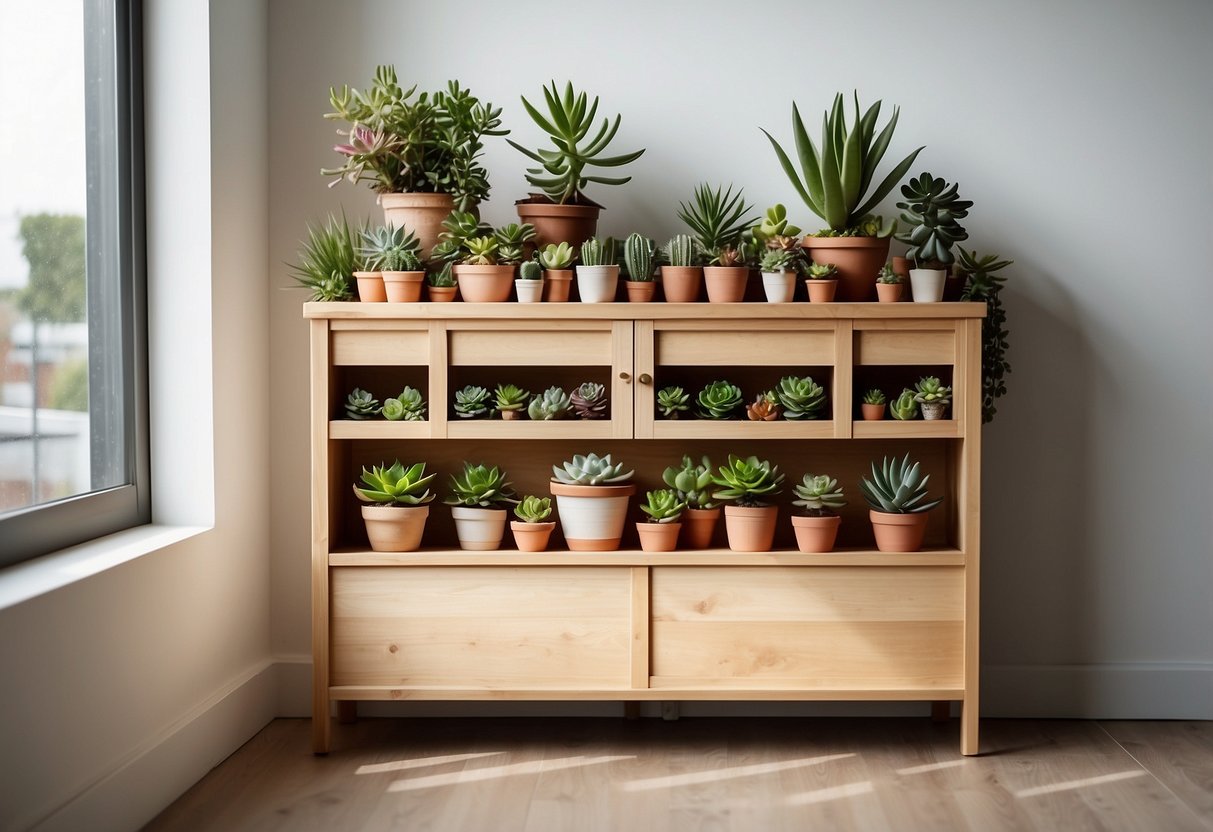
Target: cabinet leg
[(969, 745), (631, 709), (941, 710), (347, 711), (321, 729)]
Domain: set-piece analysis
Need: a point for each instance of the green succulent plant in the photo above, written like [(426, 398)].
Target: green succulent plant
[(481, 251), (692, 482), (897, 487), (443, 278), (328, 260), (819, 495), (663, 505), (361, 405), (557, 256), (746, 481), (778, 260), (552, 403), (887, 276), (638, 257), (533, 509), (681, 250), (511, 242), (984, 286), (672, 400), (932, 209), (395, 485), (409, 406), (480, 486), (471, 402), (457, 228), (511, 397), (717, 220), (390, 249), (591, 469), (874, 396), (589, 401), (823, 271), (801, 398), (719, 400), (775, 226), (930, 390), (596, 252), (905, 406), (530, 270)]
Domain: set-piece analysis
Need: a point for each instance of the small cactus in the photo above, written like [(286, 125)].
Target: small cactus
[(595, 252), (530, 270), (589, 401), (764, 408), (801, 398), (638, 257), (682, 251), (471, 402), (553, 403), (361, 405)]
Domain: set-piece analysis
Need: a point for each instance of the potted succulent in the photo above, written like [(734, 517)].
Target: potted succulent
[(486, 272), (800, 397), (931, 210), (592, 495), (328, 260), (477, 498), (718, 220), (532, 528), (395, 505), (820, 497), (765, 408), (897, 496), (409, 406), (779, 270), (905, 406), (673, 400), (557, 262), (552, 403), (749, 522), (598, 272), (838, 183), (361, 405), (562, 212), (693, 484), (682, 272), (441, 285), (393, 252), (511, 401), (638, 258), (589, 401), (933, 397), (660, 532), (873, 405), (529, 284), (888, 285), (421, 154), (472, 402), (822, 282), (719, 400)]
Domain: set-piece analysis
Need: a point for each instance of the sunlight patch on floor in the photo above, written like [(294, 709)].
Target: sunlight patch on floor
[(716, 775), (1079, 784), (477, 775), (423, 762), (830, 793), (929, 767)]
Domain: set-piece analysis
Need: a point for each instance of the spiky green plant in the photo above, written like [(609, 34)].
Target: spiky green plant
[(887, 276), (874, 396), (471, 402), (510, 397), (801, 398), (638, 255), (596, 252), (530, 270), (673, 400), (746, 481), (819, 495), (481, 251), (822, 271), (905, 406), (834, 179), (409, 406), (395, 485), (328, 260), (718, 219), (390, 249), (480, 486), (692, 482), (443, 278), (552, 403), (777, 260), (557, 256), (897, 487), (663, 505), (590, 469), (682, 250), (533, 509), (361, 405), (511, 242), (986, 287), (719, 400), (589, 401), (930, 390), (932, 209)]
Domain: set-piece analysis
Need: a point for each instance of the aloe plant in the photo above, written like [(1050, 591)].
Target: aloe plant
[(905, 406), (390, 249), (932, 209), (471, 402), (672, 400), (747, 481), (395, 485), (638, 257), (801, 398), (897, 487), (591, 469), (819, 495), (480, 486), (719, 400), (717, 220), (552, 403), (682, 250), (361, 405), (409, 406), (663, 505), (557, 256), (692, 482), (328, 260), (533, 509)]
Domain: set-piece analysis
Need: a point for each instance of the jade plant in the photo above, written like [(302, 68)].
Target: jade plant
[(328, 260), (800, 398), (897, 487), (590, 469), (719, 400), (887, 276), (533, 509), (719, 222), (692, 482), (985, 286), (746, 482), (638, 258), (479, 486), (409, 406), (552, 403), (765, 408), (390, 249), (556, 256), (511, 400), (681, 250), (361, 405), (931, 211), (874, 396), (663, 505), (819, 495), (822, 271), (395, 485), (589, 401), (905, 406), (672, 400), (472, 402)]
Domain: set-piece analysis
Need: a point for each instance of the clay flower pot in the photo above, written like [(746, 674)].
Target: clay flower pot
[(780, 287), (370, 287), (479, 529), (394, 528), (441, 294), (698, 525), (681, 283), (751, 528), (816, 534), (821, 291), (640, 291), (857, 259), (485, 284), (403, 287), (532, 537), (572, 224), (528, 291), (926, 285), (592, 516), (556, 285), (872, 412), (898, 532), (597, 284), (932, 411), (726, 284), (420, 213), (658, 537), (888, 292), (901, 268)]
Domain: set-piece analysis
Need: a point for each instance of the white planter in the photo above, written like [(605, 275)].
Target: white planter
[(529, 291), (592, 516), (479, 529), (926, 285), (597, 284), (779, 286)]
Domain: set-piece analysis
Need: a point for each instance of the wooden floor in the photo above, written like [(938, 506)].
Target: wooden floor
[(750, 775)]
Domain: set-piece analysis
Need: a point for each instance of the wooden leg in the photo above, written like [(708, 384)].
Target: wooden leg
[(941, 711), (347, 711), (321, 729), (631, 709), (969, 745)]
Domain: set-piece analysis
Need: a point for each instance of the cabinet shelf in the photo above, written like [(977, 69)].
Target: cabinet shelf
[(354, 429), (709, 429), (526, 429), (636, 557), (917, 429)]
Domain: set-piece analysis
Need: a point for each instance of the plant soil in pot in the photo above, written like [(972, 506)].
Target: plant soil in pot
[(658, 537), (420, 214), (532, 537), (479, 529), (897, 497), (726, 284), (815, 534), (394, 505), (485, 284), (780, 287), (592, 501), (403, 287), (370, 287)]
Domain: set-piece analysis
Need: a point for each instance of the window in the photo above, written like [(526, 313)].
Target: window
[(73, 437)]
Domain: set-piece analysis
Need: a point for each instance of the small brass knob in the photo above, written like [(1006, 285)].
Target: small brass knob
[(645, 378), (625, 376)]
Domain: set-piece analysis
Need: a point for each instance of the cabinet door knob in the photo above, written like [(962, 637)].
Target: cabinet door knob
[(645, 378), (625, 376)]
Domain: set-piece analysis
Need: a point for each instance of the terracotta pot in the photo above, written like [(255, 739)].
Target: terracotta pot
[(901, 268), (872, 412), (528, 291), (403, 287), (726, 284), (658, 537), (479, 529), (556, 285), (858, 260), (898, 532), (485, 284), (592, 516), (512, 415), (698, 525), (572, 224), (821, 291), (750, 529), (421, 214), (932, 411), (597, 284), (888, 292), (681, 283), (370, 287), (926, 285), (394, 528), (640, 291), (531, 537), (441, 294), (780, 287), (816, 534)]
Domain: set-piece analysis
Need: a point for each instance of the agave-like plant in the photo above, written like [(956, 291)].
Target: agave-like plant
[(409, 406), (692, 482), (511, 398), (552, 403), (395, 485), (905, 406), (819, 495), (747, 481), (718, 219), (391, 249), (361, 405), (874, 396), (471, 402), (533, 509), (663, 505), (590, 469), (480, 486), (932, 209), (673, 400), (897, 487), (328, 260), (719, 400), (801, 398)]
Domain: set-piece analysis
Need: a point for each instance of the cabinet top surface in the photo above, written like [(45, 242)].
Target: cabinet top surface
[(642, 311)]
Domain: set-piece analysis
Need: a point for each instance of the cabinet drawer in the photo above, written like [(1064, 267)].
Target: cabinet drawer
[(545, 347), (735, 347), (925, 346), (381, 347)]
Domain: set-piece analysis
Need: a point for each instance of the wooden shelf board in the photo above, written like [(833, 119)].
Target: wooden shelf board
[(526, 429), (378, 429), (951, 691), (728, 429), (915, 429), (633, 557)]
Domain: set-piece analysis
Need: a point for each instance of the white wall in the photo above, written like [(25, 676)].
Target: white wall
[(1080, 130)]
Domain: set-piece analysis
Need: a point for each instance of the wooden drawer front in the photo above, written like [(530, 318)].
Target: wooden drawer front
[(480, 627), (813, 627), (736, 347), (381, 347), (549, 346), (926, 346)]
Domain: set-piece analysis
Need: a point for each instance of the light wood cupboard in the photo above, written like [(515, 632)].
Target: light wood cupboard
[(441, 623)]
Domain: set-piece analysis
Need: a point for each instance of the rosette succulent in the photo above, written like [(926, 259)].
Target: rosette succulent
[(409, 406), (897, 487), (552, 403), (930, 390), (533, 509), (663, 505), (719, 400), (874, 396), (931, 210), (692, 482), (511, 398), (471, 402), (747, 481), (361, 405), (819, 495), (673, 400), (590, 469), (589, 401), (905, 406), (801, 398), (557, 256), (479, 486), (395, 485), (512, 240)]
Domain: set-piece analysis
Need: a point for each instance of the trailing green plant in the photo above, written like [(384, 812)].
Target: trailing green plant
[(328, 260), (719, 400), (801, 398), (530, 270), (561, 173), (823, 271), (533, 509), (590, 469), (746, 481), (552, 403), (663, 505), (834, 179), (682, 250), (673, 400), (361, 405), (932, 209), (511, 397), (596, 252), (930, 390), (395, 485), (984, 286), (718, 221), (905, 406), (775, 232), (443, 278), (409, 406), (472, 402), (874, 396), (778, 260), (692, 482), (819, 495), (557, 256), (481, 487), (511, 242), (589, 401), (897, 487), (390, 249), (886, 275), (638, 257)]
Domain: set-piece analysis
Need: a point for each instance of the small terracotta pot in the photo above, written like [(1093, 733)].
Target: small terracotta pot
[(901, 268), (726, 284), (898, 532), (479, 529), (441, 294), (751, 529), (658, 537), (888, 292), (640, 291), (821, 291), (420, 213), (512, 416), (531, 537), (370, 287), (816, 534), (932, 411), (681, 283), (528, 291), (597, 284), (926, 285), (698, 526), (780, 287), (872, 412), (395, 528), (556, 285), (572, 224), (592, 516), (403, 287), (485, 284), (858, 260)]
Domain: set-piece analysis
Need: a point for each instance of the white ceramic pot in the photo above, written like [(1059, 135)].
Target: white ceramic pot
[(927, 285), (529, 291), (779, 286), (592, 516), (597, 284), (479, 529)]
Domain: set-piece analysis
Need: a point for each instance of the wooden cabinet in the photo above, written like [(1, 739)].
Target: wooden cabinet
[(442, 623)]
